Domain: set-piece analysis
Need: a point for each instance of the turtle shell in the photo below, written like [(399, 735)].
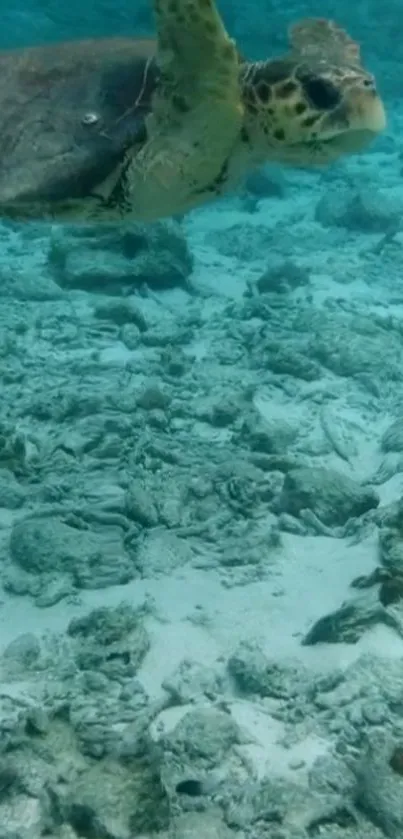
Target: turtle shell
[(68, 113)]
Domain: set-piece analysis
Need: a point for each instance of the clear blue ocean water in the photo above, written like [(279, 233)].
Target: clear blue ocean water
[(201, 425)]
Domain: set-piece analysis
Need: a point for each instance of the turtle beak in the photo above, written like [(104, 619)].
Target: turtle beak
[(358, 121), (366, 118), (365, 110), (353, 142)]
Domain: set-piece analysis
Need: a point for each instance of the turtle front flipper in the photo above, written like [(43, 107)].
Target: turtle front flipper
[(196, 114)]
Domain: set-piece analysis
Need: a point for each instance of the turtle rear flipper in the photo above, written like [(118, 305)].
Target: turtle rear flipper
[(196, 114)]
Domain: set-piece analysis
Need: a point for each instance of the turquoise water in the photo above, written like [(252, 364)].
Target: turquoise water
[(201, 463)]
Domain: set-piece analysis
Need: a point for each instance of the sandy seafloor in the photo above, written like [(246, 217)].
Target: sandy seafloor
[(225, 569)]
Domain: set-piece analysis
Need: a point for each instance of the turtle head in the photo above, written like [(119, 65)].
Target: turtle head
[(315, 104)]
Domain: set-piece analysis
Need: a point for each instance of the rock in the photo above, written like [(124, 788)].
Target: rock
[(23, 817), (391, 541), (23, 652), (140, 506), (332, 496), (266, 183), (348, 624), (220, 412), (380, 783), (161, 552), (265, 436), (192, 681), (294, 810), (12, 494), (205, 825), (392, 438), (354, 345), (121, 313), (152, 397), (112, 260), (285, 360), (47, 546), (330, 773), (110, 641), (114, 802), (198, 744), (254, 673), (365, 211), (282, 277), (240, 240)]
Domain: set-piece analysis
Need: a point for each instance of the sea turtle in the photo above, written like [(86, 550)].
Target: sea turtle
[(102, 130)]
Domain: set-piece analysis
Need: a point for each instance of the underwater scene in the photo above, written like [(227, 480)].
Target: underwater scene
[(201, 420)]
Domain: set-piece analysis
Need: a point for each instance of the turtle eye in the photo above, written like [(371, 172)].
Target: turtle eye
[(321, 93)]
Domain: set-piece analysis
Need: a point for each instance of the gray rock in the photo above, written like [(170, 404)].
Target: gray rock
[(112, 260), (110, 641), (205, 825), (330, 773), (12, 494), (279, 803), (47, 546), (391, 540), (347, 624), (332, 496), (240, 240), (266, 183), (192, 681), (140, 506), (198, 744), (288, 361), (267, 437), (282, 276), (205, 734), (111, 801), (379, 782), (392, 438), (366, 211), (24, 651), (121, 313), (22, 817), (254, 673)]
